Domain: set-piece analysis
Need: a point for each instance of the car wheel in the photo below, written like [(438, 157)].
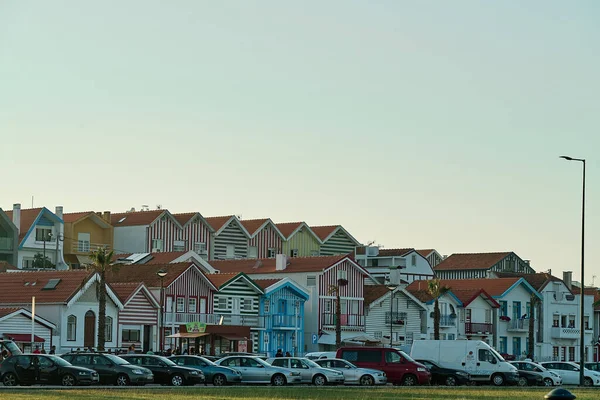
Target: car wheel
[(548, 382), (498, 379), (409, 380), (522, 381), (219, 380), (177, 380), (366, 380), (122, 380), (588, 382), (319, 380), (68, 380), (451, 381), (278, 380), (10, 379)]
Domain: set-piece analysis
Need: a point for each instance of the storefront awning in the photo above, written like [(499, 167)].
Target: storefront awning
[(188, 335), (233, 337), (22, 337)]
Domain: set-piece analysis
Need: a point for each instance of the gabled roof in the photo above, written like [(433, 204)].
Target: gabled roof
[(128, 290), (8, 219), (147, 273), (538, 280), (72, 217), (471, 261), (136, 218), (29, 218), (268, 265), (221, 281), (496, 287), (372, 293), (467, 296), (289, 229), (79, 216), (6, 313), (186, 218), (425, 253), (254, 226), (5, 266), (265, 283), (221, 222), (272, 285), (324, 233)]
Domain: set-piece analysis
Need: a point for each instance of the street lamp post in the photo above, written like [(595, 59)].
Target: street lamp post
[(391, 287), (161, 274), (582, 294)]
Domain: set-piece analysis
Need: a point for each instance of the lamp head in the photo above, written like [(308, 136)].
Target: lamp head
[(162, 273), (567, 158), (391, 286)]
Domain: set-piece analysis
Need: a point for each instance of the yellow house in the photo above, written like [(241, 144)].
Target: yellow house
[(85, 232)]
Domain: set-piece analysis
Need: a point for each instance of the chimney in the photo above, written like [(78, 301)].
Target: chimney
[(106, 216), (394, 275), (59, 212), (17, 216), (568, 278), (280, 262)]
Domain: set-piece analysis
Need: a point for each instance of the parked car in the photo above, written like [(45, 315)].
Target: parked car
[(549, 378), (165, 371), (113, 370), (593, 366), (446, 376), (398, 366), (319, 355), (569, 372), (354, 375), (310, 372), (216, 374), (43, 369), (256, 370)]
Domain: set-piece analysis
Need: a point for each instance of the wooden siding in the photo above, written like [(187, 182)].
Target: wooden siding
[(462, 274), (139, 310), (164, 228), (265, 239), (232, 234), (190, 284), (304, 242), (22, 324), (275, 337), (196, 232), (339, 243), (240, 289), (377, 325)]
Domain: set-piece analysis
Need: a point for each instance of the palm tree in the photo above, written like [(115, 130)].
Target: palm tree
[(436, 290), (101, 263), (338, 310), (533, 303)]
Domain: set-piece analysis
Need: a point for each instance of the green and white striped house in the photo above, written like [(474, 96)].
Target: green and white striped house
[(335, 240), (230, 240)]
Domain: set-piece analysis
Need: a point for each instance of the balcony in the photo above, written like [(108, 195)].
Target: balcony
[(6, 244), (475, 328), (81, 247), (347, 320), (518, 325), (446, 321), (184, 318), (283, 321), (397, 318), (564, 333)]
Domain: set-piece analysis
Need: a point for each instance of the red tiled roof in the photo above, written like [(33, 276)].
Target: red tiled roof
[(287, 228), (494, 287), (124, 289), (6, 311), (135, 218), (183, 218), (72, 217), (324, 231), (28, 217), (252, 225), (147, 273), (5, 266), (471, 261), (374, 292), (426, 252), (265, 283), (538, 280), (267, 265), (387, 252), (13, 288), (218, 222), (219, 280)]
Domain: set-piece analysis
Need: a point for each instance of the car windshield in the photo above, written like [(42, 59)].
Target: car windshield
[(406, 357), (166, 361), (116, 360), (207, 361), (59, 361), (498, 356), (311, 363)]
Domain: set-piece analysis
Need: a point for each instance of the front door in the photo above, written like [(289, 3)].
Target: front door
[(89, 329), (146, 343)]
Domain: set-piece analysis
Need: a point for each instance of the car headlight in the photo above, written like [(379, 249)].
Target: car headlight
[(83, 373), (138, 372), (294, 373), (193, 372), (461, 373), (421, 369)]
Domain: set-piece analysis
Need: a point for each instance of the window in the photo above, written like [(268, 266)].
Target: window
[(413, 260), (220, 303), (294, 253), (83, 242), (488, 316), (391, 357), (314, 253), (192, 305), (202, 309), (180, 304), (311, 281), (503, 308), (252, 252), (375, 263), (100, 360), (44, 362), (571, 353), (327, 306), (279, 362), (247, 304), (377, 335), (200, 248), (179, 245), (157, 245), (130, 335), (267, 306), (72, 327), (451, 336), (586, 322), (342, 274), (272, 252), (230, 251), (571, 321), (486, 356), (503, 344), (555, 319), (43, 234), (555, 353), (108, 329)]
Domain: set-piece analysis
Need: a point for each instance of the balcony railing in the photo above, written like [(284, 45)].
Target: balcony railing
[(86, 247), (349, 320), (276, 321), (564, 333), (474, 328), (447, 321), (6, 244), (397, 318), (184, 318), (284, 321), (256, 321), (518, 325)]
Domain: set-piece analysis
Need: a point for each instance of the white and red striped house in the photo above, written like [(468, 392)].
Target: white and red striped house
[(138, 320), (196, 233), (265, 238), (146, 231)]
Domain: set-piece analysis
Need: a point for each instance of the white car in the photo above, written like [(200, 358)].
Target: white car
[(550, 378), (569, 372), (256, 370), (309, 371), (354, 375)]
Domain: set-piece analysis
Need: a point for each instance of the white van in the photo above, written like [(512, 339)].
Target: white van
[(482, 362)]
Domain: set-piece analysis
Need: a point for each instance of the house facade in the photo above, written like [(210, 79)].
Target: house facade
[(300, 240), (41, 234), (411, 264), (9, 235), (151, 231), (265, 238), (230, 238), (15, 323), (432, 256), (85, 232), (481, 265), (335, 240), (196, 234)]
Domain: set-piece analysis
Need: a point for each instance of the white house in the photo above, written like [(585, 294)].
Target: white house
[(411, 264), (481, 265), (40, 232), (66, 299), (15, 324)]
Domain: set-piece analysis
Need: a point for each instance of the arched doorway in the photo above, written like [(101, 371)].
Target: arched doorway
[(89, 329)]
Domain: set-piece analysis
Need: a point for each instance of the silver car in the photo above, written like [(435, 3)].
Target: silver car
[(310, 372), (353, 374), (255, 370)]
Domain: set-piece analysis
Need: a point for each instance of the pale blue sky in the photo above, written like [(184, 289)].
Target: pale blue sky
[(424, 123)]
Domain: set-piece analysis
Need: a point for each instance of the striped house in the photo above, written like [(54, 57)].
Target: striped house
[(335, 240), (299, 240), (15, 323), (230, 238), (265, 238), (138, 320), (146, 231), (481, 265), (196, 234)]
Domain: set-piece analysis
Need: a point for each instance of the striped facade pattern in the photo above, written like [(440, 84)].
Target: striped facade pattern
[(303, 241), (231, 235), (191, 284), (139, 310), (22, 324), (267, 238), (196, 232), (377, 323), (339, 243), (290, 335), (166, 229), (354, 290)]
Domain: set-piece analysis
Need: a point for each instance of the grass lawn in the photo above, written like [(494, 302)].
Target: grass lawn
[(299, 392)]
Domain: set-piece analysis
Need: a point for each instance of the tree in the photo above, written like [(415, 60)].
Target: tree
[(338, 310), (101, 263), (40, 262), (436, 290), (533, 303)]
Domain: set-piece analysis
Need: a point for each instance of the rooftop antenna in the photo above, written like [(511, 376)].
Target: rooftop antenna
[(144, 207), (159, 206)]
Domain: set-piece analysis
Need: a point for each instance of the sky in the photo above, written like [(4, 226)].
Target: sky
[(421, 123)]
